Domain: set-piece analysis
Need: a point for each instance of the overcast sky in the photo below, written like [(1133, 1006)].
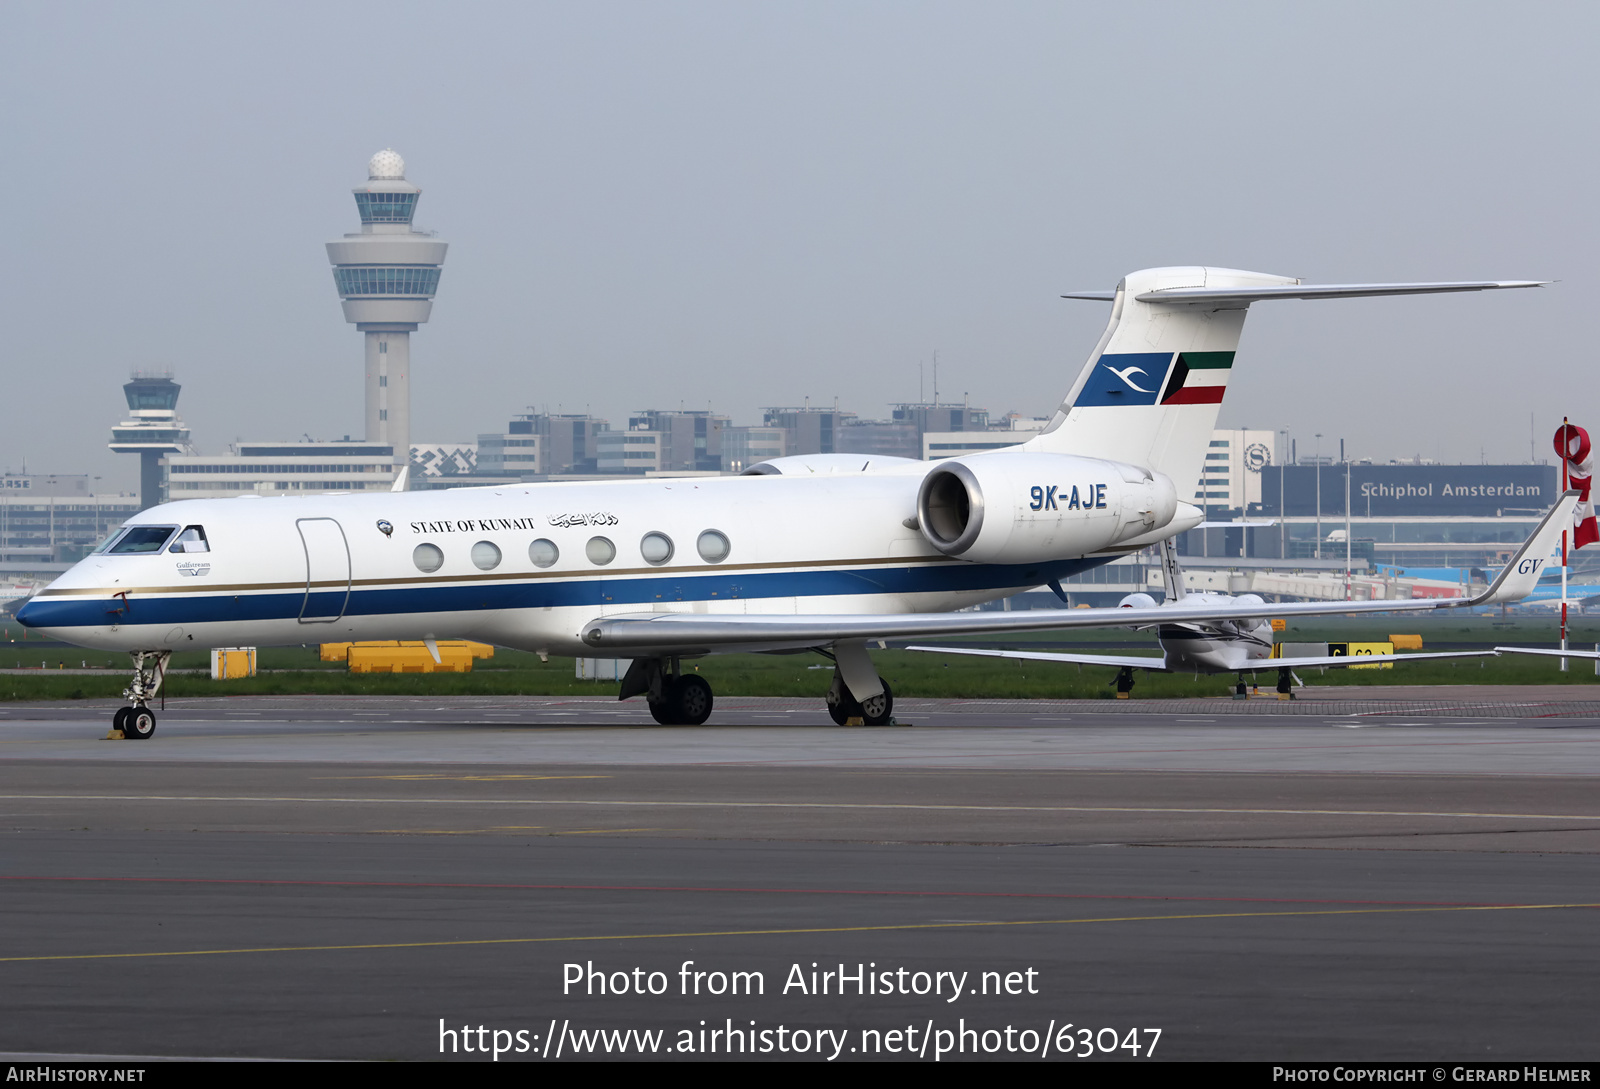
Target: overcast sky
[(737, 205)]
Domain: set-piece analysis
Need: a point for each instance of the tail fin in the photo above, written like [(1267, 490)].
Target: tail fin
[(1153, 386), (1151, 391)]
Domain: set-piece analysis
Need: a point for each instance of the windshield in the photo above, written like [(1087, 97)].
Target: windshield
[(142, 539), (105, 544)]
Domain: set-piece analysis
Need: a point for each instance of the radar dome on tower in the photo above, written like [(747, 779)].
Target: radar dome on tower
[(386, 165)]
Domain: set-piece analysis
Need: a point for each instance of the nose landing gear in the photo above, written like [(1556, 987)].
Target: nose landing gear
[(137, 722)]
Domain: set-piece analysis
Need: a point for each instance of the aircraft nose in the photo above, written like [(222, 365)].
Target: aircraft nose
[(22, 616)]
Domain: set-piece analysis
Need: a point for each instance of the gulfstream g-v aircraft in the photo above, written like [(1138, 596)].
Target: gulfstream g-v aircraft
[(823, 553)]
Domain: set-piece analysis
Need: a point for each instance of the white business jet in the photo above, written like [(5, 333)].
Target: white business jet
[(823, 552), (1240, 646)]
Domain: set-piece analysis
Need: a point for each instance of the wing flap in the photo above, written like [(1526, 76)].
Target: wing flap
[(1116, 661)]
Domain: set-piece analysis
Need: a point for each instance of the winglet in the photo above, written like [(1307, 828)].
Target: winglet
[(402, 480), (1517, 578)]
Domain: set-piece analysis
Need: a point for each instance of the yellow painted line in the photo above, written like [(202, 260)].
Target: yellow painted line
[(455, 831), (457, 778), (500, 828), (800, 930), (604, 831), (896, 806)]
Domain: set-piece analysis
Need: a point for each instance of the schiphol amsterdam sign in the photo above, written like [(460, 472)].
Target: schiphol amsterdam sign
[(1399, 490)]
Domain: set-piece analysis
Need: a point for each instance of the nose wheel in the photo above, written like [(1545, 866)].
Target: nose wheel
[(137, 722)]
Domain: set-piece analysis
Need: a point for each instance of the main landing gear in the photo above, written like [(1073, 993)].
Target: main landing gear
[(873, 711), (854, 673), (675, 698), (137, 722)]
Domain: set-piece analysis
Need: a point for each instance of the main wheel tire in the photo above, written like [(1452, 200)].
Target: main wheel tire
[(690, 697), (842, 706), (119, 721), (878, 710), (140, 724), (661, 711)]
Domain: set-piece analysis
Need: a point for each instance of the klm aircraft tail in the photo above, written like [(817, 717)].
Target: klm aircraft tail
[(1153, 386)]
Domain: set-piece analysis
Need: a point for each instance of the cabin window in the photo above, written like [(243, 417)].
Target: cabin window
[(656, 548), (485, 556), (543, 553), (142, 539), (600, 551), (713, 546), (192, 539), (427, 557)]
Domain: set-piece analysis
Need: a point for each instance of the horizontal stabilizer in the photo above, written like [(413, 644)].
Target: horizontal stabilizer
[(1217, 297), (1228, 297)]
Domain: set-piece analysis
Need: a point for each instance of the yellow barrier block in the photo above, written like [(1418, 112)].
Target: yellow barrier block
[(228, 663), (391, 656), (1406, 642)]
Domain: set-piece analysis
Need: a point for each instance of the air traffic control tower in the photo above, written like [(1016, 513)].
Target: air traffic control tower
[(151, 430), (387, 276)]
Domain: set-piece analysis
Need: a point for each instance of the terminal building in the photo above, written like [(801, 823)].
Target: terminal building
[(274, 468), (48, 521), (1402, 515)]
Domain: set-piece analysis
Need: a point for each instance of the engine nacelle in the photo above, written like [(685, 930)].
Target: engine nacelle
[(1029, 507), (1137, 601)]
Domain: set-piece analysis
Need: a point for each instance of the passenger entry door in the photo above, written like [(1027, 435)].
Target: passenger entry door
[(327, 570)]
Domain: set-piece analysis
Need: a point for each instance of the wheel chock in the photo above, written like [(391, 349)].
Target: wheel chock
[(857, 721), (1124, 695), (114, 735)]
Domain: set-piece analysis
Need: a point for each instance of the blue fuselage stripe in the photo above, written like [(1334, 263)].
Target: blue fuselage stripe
[(195, 608)]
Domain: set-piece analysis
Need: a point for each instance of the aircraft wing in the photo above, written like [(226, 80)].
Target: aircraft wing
[(1360, 659), (642, 635), (1115, 661), (1590, 655), (1263, 665)]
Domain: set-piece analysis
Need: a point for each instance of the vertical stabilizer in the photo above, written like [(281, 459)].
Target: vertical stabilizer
[(1151, 390)]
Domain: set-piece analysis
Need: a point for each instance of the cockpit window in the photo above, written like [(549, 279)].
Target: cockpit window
[(105, 544), (142, 539), (192, 539)]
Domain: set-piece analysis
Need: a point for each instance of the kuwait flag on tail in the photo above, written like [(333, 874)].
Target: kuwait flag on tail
[(1572, 446), (1198, 378)]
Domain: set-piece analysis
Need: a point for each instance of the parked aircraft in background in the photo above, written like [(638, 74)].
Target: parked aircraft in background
[(814, 552), (1242, 646)]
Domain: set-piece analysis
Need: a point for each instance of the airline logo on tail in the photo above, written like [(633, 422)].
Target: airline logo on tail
[(1149, 378)]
